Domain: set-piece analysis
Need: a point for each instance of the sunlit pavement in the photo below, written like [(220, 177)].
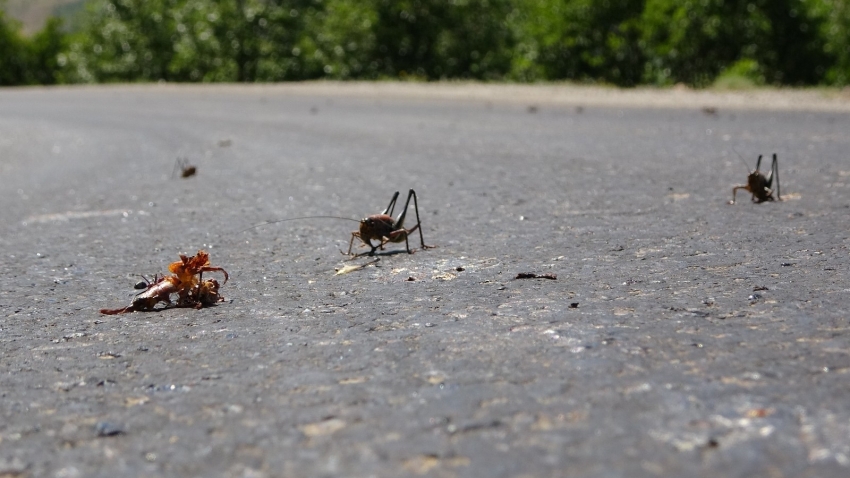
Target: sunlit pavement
[(680, 335)]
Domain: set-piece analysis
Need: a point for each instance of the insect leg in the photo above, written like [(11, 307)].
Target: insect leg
[(391, 207), (418, 222), (774, 171), (735, 190), (143, 284), (177, 164), (768, 178), (217, 269), (758, 163), (400, 221), (351, 242), (398, 227), (197, 297)]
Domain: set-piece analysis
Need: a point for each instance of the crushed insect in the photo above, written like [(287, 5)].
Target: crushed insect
[(532, 275), (186, 281), (760, 185), (186, 169), (384, 229)]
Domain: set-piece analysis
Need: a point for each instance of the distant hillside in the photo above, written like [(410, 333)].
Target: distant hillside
[(33, 13)]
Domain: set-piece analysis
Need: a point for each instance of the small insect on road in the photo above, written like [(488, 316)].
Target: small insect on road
[(186, 170), (760, 185), (384, 229)]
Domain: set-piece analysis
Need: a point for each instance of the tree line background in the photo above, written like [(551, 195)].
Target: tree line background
[(620, 42)]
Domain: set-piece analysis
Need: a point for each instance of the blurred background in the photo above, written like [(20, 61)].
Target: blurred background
[(699, 43)]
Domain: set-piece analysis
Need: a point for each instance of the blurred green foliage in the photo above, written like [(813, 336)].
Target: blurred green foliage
[(833, 28), (434, 39), (31, 61), (620, 42), (692, 41), (586, 40)]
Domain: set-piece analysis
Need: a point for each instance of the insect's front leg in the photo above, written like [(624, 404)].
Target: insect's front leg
[(735, 190), (367, 241), (354, 234)]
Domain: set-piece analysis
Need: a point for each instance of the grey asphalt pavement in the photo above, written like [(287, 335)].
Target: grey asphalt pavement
[(682, 336)]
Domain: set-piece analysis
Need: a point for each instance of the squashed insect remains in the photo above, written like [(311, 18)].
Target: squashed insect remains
[(186, 281)]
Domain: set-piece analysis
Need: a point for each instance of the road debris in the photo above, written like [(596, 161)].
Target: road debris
[(532, 275), (187, 282), (354, 267)]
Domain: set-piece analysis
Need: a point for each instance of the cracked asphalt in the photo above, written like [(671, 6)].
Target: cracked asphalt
[(675, 335)]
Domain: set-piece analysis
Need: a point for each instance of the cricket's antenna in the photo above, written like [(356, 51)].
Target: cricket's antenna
[(294, 219), (742, 159)]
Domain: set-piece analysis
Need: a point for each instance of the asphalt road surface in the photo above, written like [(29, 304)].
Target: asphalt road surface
[(680, 336)]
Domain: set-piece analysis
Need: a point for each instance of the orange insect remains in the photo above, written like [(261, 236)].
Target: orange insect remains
[(187, 282)]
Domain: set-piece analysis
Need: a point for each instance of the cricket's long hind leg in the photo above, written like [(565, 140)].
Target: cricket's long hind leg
[(768, 178), (418, 222), (399, 222), (391, 207), (774, 172)]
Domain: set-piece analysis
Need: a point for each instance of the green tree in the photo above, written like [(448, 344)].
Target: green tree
[(192, 40), (285, 54), (218, 41), (126, 40), (624, 42), (47, 54), (435, 39), (339, 41), (833, 22), (36, 60), (693, 40), (586, 40), (13, 53)]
